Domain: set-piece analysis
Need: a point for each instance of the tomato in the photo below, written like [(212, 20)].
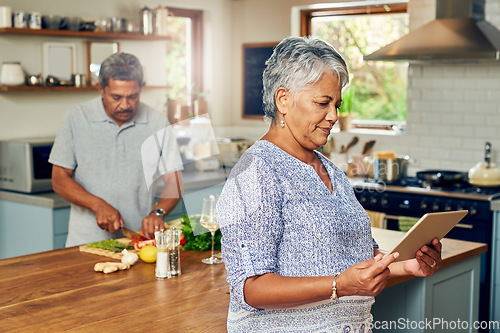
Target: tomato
[(182, 240), (139, 244)]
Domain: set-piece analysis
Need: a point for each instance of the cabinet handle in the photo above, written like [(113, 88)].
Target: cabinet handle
[(464, 226)]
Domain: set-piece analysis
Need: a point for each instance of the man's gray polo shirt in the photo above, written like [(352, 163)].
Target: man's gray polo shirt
[(106, 160)]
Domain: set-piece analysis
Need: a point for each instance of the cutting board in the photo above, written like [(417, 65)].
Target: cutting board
[(105, 253)]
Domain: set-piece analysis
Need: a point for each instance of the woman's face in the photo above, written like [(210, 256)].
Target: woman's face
[(313, 111)]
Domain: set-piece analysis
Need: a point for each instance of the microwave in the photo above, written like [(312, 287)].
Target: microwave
[(24, 165)]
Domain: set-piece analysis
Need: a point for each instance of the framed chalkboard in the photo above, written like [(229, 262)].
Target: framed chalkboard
[(254, 62)]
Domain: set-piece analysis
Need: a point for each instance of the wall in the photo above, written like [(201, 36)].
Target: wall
[(28, 114), (452, 108)]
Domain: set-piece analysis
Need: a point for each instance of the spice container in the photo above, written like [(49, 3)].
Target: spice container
[(147, 21), (174, 252), (163, 241), (160, 18)]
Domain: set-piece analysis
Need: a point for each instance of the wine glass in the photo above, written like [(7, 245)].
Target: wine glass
[(208, 221)]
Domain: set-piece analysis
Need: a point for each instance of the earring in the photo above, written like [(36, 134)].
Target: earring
[(282, 124)]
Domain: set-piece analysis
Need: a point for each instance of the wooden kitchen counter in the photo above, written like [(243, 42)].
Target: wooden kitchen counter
[(453, 252), (58, 290)]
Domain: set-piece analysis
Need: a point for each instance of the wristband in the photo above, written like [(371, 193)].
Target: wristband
[(334, 296)]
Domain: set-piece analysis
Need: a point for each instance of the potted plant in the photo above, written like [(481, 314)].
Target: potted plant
[(345, 110)]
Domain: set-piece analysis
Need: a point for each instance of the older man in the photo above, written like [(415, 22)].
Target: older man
[(97, 163)]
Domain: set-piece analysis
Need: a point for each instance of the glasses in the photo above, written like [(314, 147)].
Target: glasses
[(208, 221)]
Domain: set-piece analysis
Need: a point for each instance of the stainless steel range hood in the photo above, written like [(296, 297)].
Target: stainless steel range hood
[(458, 34)]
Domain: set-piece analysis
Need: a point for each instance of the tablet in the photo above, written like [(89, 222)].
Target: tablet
[(430, 226)]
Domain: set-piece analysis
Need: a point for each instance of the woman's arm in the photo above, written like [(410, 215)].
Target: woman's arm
[(272, 291)]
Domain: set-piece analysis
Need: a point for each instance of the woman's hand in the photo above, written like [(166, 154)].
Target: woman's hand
[(427, 260), (366, 278)]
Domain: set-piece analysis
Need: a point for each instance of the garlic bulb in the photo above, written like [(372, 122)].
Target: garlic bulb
[(129, 258)]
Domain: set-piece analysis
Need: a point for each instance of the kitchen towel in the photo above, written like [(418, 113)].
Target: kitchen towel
[(406, 222), (377, 219)]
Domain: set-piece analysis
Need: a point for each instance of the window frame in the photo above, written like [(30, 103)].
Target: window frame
[(196, 17), (356, 8)]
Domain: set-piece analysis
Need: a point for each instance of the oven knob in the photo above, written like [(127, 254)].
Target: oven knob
[(363, 199), (473, 210), (424, 205), (435, 206), (373, 200), (447, 207), (384, 202)]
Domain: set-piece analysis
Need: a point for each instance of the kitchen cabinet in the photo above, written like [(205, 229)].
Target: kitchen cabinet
[(495, 265), (32, 223), (65, 34), (451, 294)]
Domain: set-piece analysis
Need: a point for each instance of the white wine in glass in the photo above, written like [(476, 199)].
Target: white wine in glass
[(208, 221)]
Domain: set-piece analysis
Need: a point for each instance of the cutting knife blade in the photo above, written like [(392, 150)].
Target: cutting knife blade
[(129, 233)]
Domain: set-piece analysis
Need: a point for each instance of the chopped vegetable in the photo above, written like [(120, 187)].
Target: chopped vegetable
[(139, 244), (197, 237), (111, 245)]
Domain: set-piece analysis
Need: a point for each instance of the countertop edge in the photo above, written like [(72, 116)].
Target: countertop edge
[(454, 250)]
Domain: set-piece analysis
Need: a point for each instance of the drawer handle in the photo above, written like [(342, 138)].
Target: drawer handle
[(464, 226)]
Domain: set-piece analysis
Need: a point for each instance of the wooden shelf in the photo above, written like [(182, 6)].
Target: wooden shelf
[(80, 34), (63, 88)]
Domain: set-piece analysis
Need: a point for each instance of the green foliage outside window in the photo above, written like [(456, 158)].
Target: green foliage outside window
[(176, 61), (380, 87)]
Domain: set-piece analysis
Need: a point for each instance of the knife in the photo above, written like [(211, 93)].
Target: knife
[(129, 233)]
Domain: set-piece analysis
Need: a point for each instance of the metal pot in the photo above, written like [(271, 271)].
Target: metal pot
[(485, 173), (391, 170)]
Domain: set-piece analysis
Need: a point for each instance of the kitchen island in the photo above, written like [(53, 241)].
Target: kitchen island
[(58, 290), (43, 217)]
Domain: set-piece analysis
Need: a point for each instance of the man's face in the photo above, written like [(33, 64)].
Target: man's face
[(120, 99)]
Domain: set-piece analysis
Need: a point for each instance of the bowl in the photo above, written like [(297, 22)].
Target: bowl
[(51, 22)]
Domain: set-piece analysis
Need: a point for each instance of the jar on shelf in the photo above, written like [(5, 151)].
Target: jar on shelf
[(12, 74)]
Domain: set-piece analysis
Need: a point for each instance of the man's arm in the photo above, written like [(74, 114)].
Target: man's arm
[(169, 197), (63, 183)]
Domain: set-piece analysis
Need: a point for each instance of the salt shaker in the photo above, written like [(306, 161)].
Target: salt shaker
[(163, 241)]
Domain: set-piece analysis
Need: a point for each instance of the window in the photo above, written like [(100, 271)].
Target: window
[(379, 87), (184, 54)]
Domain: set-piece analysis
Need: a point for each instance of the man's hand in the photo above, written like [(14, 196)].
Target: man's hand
[(107, 217), (152, 223), (366, 278)]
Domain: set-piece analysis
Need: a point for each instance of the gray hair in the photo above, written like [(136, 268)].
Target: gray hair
[(298, 62), (121, 66)]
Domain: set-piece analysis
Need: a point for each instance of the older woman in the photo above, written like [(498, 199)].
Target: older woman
[(296, 243)]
